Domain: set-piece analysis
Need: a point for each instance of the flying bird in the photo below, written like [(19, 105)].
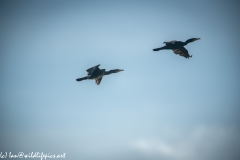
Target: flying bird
[(178, 47), (97, 74)]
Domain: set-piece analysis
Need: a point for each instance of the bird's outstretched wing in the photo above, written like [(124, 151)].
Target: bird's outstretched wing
[(83, 78), (98, 80), (92, 69), (182, 52), (161, 48), (171, 42)]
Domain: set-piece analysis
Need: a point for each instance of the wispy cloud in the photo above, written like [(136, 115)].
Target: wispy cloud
[(202, 143)]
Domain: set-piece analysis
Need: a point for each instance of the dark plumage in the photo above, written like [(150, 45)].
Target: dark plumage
[(97, 74), (178, 47)]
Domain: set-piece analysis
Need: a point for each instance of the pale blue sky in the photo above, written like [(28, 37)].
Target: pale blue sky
[(162, 106)]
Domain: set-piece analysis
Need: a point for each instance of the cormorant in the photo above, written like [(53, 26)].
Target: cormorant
[(178, 47), (97, 74)]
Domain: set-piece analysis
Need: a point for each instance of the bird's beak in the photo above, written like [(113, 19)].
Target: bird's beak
[(120, 70), (197, 39)]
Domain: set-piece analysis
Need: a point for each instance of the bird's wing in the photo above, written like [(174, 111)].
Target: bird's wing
[(171, 42), (164, 47), (98, 80), (157, 49), (168, 45), (182, 52), (80, 79), (92, 69)]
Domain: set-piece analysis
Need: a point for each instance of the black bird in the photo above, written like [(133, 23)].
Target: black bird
[(178, 47), (97, 74)]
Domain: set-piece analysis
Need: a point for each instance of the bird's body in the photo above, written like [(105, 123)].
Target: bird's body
[(97, 74), (177, 47)]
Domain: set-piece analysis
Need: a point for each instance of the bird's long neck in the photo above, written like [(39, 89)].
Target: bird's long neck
[(189, 41), (111, 71), (186, 42)]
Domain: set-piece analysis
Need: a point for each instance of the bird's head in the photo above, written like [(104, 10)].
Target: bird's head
[(191, 40), (112, 71), (194, 39), (119, 70)]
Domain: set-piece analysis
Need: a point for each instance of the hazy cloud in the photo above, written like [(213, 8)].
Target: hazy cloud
[(202, 143)]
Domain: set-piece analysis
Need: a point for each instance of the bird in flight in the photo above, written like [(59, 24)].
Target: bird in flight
[(178, 47), (97, 74)]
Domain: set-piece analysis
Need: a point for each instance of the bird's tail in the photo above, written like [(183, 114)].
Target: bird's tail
[(80, 79)]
